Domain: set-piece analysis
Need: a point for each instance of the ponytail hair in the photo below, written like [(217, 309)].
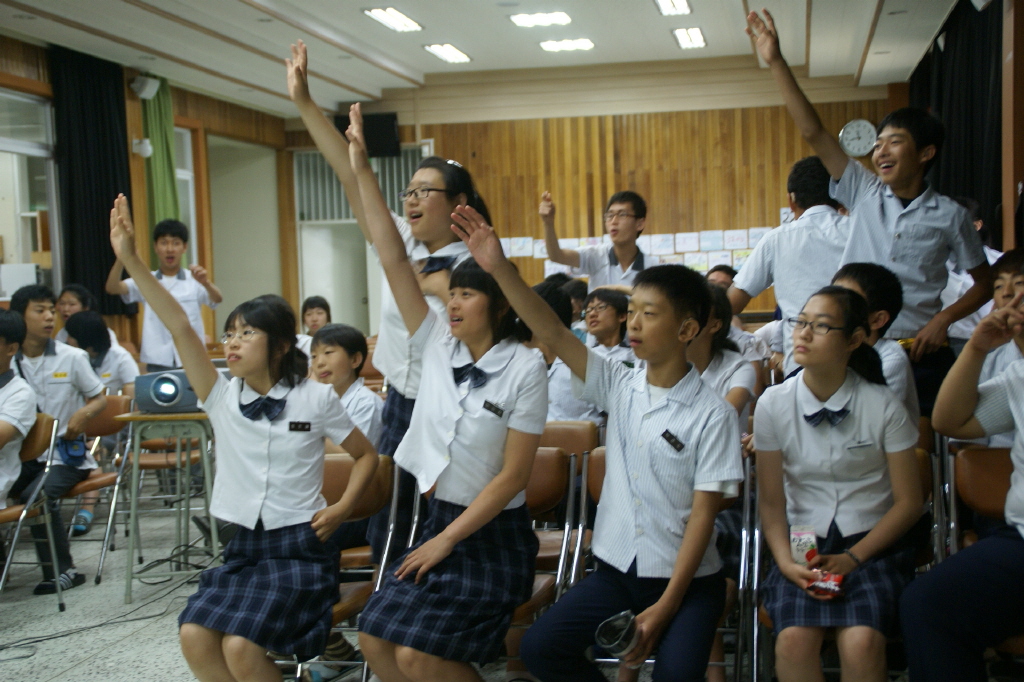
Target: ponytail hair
[(864, 359), (273, 316), (721, 310)]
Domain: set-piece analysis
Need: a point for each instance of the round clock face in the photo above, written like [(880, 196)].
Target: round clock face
[(857, 137)]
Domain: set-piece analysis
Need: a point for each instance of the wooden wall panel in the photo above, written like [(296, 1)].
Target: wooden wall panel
[(24, 67), (229, 120)]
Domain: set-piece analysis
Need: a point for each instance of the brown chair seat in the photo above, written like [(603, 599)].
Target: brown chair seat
[(356, 557), (543, 594), (160, 460), (353, 599), (96, 481), (551, 547), (1013, 646), (10, 514), (164, 444)]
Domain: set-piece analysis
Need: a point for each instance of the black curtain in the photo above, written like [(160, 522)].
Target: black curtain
[(92, 164), (961, 83)]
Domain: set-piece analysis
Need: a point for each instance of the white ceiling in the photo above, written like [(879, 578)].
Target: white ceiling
[(232, 48)]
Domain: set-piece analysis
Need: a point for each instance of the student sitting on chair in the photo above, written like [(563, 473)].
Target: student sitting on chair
[(17, 407), (604, 312), (316, 312), (74, 298)]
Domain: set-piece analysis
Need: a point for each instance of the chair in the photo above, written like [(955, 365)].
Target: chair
[(103, 424), (40, 439)]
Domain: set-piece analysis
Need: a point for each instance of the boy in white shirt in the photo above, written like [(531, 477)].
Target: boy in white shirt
[(17, 407), (192, 288)]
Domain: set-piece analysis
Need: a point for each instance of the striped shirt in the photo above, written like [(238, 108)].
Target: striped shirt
[(996, 363), (899, 375), (601, 266), (658, 453), (1000, 409), (729, 370)]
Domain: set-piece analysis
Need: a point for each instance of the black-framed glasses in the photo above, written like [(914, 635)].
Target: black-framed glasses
[(819, 328), (612, 215), (420, 193)]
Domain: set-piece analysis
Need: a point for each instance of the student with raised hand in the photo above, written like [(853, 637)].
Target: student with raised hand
[(835, 452), (279, 579), (672, 451), (973, 599), (448, 601), (435, 189), (896, 218), (624, 217)]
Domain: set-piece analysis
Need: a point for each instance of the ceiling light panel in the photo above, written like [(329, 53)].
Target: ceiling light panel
[(542, 19), (671, 8), (567, 45), (448, 53), (393, 19), (689, 38)]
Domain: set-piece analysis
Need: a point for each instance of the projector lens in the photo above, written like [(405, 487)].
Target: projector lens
[(166, 390)]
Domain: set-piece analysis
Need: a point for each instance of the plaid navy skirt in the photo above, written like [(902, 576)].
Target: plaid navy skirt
[(463, 606), (729, 524), (871, 593), (275, 588)]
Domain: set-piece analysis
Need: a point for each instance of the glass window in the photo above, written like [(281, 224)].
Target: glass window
[(24, 118)]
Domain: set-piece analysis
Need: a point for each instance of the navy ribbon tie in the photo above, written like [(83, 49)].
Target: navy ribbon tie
[(833, 416), (436, 263), (477, 377), (264, 405)]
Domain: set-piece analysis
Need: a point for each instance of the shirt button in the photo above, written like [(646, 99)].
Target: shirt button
[(646, 416), (639, 530), (897, 235), (637, 501), (639, 443), (636, 475), (451, 434)]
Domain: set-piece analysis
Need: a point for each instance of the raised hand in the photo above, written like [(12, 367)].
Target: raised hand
[(298, 83), (357, 155), (999, 326), (479, 237), (766, 39), (122, 232), (547, 208), (199, 274)]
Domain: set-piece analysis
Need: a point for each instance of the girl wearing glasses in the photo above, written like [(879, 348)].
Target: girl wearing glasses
[(835, 452), (279, 579)]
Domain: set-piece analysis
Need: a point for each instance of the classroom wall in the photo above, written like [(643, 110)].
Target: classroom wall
[(243, 206)]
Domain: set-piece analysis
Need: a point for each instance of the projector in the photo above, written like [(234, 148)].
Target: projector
[(165, 392)]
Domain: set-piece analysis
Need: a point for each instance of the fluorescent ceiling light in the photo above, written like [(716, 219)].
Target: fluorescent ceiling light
[(689, 38), (671, 8), (448, 53), (393, 19), (563, 45), (541, 19)]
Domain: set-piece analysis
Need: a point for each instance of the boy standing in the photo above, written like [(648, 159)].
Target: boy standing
[(66, 388), (624, 218), (897, 219), (672, 452), (192, 288)]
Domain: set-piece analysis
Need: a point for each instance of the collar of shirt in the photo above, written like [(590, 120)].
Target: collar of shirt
[(181, 274), (420, 252), (97, 361), (809, 404), (493, 361), (820, 209), (51, 349), (638, 262), (683, 392), (355, 386), (928, 198), (279, 390), (6, 377)]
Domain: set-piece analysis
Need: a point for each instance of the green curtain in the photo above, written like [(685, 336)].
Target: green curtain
[(161, 185)]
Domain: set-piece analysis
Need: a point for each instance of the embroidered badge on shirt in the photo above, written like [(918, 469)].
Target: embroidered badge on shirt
[(299, 426), (672, 440), (492, 408), (60, 375)]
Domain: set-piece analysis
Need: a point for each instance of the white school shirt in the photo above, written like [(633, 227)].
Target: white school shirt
[(393, 356), (364, 408), (272, 471), (62, 380), (830, 472), (456, 438), (997, 362), (562, 404), (751, 347), (601, 266), (956, 286), (899, 375), (62, 336), (770, 335), (304, 342), (914, 242), (797, 259), (115, 368), (658, 451), (17, 408), (729, 370), (157, 344), (1000, 410)]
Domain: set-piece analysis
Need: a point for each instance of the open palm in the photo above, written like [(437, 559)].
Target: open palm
[(483, 243)]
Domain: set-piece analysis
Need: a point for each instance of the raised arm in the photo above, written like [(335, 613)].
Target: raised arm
[(328, 139), (382, 230), (115, 285), (555, 252), (766, 40), (738, 299), (531, 308), (198, 368), (203, 277)]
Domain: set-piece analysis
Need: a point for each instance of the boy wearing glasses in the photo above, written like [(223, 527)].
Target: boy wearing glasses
[(192, 288), (618, 264)]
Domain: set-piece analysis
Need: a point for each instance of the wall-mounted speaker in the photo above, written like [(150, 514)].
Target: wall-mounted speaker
[(145, 87), (380, 130)]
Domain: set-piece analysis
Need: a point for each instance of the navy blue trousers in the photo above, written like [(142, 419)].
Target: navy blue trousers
[(973, 600), (554, 647)]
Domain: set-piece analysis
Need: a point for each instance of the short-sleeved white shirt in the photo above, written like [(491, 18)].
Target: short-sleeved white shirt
[(157, 344), (116, 368), (729, 370), (956, 286), (841, 472), (657, 454), (1000, 410), (914, 242), (17, 408), (797, 259), (899, 376), (602, 268), (562, 404), (997, 362), (62, 380), (392, 355), (304, 342), (62, 336), (272, 471), (457, 437), (364, 408)]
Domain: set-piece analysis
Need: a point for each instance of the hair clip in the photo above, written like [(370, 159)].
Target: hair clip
[(454, 163)]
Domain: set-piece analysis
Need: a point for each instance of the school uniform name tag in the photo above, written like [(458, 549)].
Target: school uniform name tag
[(300, 426), (60, 375), (672, 440), (493, 409)]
